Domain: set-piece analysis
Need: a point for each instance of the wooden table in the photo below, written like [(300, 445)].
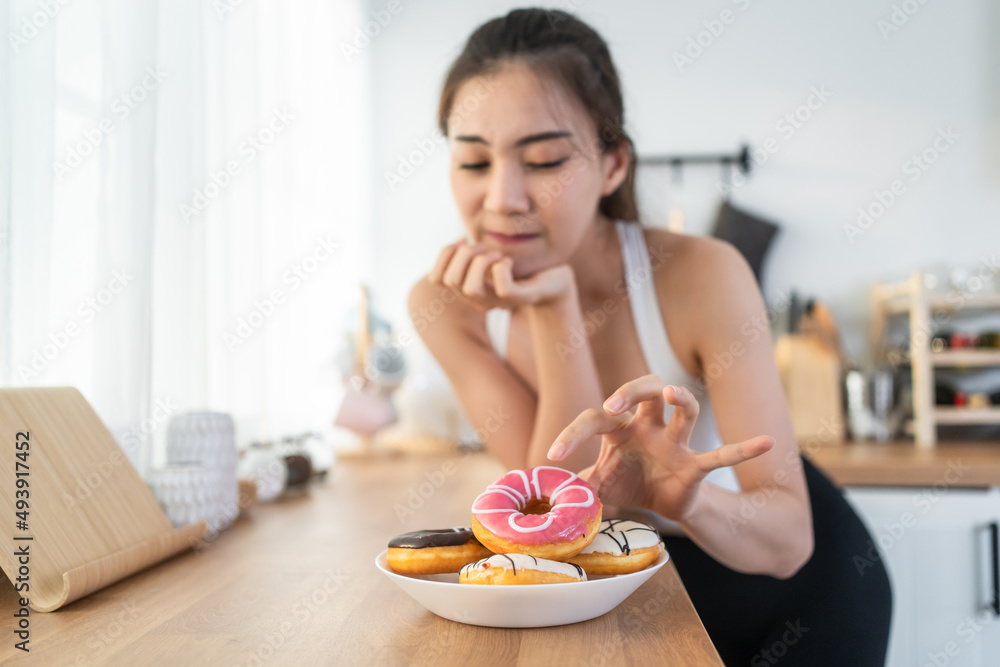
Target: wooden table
[(960, 464), (295, 583)]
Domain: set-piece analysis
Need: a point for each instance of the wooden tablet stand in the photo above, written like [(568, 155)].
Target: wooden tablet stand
[(91, 519)]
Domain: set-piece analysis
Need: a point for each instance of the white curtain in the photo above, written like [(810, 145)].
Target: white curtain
[(184, 208)]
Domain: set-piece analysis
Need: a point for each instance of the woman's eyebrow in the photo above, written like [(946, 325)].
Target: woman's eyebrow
[(531, 138)]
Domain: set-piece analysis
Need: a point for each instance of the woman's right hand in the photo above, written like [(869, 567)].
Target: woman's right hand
[(645, 461), (485, 277)]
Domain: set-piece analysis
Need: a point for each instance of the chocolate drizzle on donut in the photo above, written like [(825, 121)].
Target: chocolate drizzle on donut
[(623, 546), (422, 539), (541, 564)]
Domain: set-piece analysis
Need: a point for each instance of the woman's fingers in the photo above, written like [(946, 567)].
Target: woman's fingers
[(646, 392), (589, 423), (685, 412), (730, 455), (587, 473), (502, 273), (475, 278), (437, 273), (454, 274)]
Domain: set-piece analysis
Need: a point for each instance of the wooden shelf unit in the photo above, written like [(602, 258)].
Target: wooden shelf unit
[(965, 357), (911, 297)]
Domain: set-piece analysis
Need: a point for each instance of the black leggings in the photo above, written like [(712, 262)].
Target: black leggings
[(834, 611)]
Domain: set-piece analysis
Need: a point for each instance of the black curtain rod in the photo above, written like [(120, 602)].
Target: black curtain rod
[(741, 159)]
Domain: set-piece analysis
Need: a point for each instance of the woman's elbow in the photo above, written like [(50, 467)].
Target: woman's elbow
[(795, 556)]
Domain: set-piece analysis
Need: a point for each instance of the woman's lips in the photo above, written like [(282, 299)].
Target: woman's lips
[(511, 238)]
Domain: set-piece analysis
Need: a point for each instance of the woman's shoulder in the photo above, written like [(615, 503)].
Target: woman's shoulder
[(695, 266), (706, 289)]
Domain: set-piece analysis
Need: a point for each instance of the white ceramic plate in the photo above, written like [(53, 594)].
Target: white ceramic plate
[(533, 606)]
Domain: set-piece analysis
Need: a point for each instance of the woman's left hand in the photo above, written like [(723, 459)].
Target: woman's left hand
[(486, 278), (645, 461)]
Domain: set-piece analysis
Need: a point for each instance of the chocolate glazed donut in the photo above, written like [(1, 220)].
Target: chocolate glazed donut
[(436, 551)]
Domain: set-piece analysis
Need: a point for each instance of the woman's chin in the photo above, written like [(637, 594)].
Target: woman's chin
[(526, 267), (524, 270)]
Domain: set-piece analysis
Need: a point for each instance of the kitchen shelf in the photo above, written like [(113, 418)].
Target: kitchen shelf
[(958, 358), (910, 297), (962, 415), (970, 357), (901, 303)]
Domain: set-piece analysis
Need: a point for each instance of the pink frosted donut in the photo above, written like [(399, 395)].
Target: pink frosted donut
[(544, 512)]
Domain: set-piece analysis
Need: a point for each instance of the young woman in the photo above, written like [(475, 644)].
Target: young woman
[(558, 298)]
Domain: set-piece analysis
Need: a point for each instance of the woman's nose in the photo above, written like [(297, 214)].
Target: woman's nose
[(506, 191)]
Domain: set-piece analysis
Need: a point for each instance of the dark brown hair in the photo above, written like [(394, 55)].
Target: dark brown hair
[(562, 49)]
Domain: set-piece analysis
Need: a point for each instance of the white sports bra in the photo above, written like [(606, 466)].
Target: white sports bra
[(660, 357)]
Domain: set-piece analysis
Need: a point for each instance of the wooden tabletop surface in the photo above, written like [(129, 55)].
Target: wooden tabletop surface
[(957, 464), (295, 583)]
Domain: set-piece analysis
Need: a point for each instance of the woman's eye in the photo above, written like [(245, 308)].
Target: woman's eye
[(534, 165), (547, 165)]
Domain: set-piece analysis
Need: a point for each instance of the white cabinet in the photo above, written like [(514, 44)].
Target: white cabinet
[(938, 549)]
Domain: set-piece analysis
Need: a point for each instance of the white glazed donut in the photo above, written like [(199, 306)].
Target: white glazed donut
[(519, 569), (620, 547)]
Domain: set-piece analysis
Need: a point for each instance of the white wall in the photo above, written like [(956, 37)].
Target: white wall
[(890, 95)]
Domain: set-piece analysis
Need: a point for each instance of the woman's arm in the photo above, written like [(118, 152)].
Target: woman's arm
[(517, 427), (567, 383), (646, 462), (498, 404), (736, 356)]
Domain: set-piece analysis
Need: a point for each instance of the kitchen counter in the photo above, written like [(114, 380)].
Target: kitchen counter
[(953, 464), (295, 583)]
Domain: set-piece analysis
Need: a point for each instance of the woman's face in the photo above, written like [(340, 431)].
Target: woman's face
[(526, 170)]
